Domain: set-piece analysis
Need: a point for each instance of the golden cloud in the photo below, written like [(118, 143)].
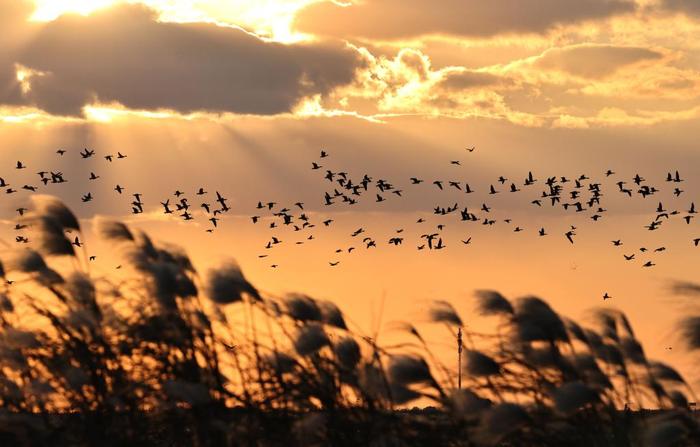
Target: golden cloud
[(399, 19)]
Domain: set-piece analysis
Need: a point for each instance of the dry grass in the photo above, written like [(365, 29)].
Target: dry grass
[(160, 355)]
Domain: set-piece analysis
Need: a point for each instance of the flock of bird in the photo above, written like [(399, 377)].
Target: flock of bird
[(577, 195), (178, 205)]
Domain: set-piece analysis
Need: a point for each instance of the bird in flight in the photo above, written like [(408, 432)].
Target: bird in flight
[(577, 194), (570, 235)]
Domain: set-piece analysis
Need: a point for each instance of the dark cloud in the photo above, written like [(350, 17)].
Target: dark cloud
[(395, 19), (467, 79), (690, 7), (13, 30), (594, 61), (124, 54), (10, 90)]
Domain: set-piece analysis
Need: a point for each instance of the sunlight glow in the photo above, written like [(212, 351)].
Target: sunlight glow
[(270, 19), (106, 113), (47, 10), (24, 76)]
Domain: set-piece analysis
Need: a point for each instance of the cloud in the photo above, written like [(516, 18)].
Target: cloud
[(594, 61), (612, 117), (462, 79), (618, 75), (408, 84), (13, 14), (690, 7), (125, 55), (396, 19)]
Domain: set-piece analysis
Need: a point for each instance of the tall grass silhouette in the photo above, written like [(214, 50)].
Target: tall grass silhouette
[(161, 355)]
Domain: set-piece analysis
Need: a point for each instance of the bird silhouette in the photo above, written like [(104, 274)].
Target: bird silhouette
[(570, 236)]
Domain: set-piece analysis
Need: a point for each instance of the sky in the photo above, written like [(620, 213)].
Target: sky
[(241, 99)]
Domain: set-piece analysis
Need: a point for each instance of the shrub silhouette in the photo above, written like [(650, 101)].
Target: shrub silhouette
[(161, 355)]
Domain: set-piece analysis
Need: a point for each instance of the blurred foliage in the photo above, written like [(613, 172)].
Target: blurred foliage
[(159, 355)]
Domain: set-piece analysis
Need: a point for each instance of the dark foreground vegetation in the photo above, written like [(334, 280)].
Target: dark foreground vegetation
[(153, 353)]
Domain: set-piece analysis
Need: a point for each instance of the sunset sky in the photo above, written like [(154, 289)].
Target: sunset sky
[(241, 99)]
